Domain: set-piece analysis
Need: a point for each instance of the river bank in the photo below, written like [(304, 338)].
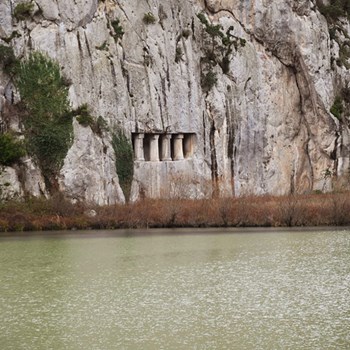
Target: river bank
[(264, 211)]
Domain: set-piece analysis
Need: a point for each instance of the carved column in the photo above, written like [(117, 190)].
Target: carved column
[(166, 148), (154, 148), (138, 147), (178, 147), (188, 145)]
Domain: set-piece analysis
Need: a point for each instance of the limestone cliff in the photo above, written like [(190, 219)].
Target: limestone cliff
[(262, 124)]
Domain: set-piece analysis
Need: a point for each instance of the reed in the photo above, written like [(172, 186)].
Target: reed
[(57, 213)]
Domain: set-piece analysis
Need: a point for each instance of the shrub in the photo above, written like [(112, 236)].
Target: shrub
[(42, 88), (81, 110), (225, 64), (345, 94), (123, 161), (337, 108), (186, 33), (103, 47), (11, 150), (23, 10), (202, 18), (335, 9), (332, 33), (211, 29), (218, 51), (208, 80), (85, 119), (215, 31), (8, 59), (101, 125), (344, 55), (118, 29), (178, 54), (49, 145), (83, 116), (48, 126), (149, 18)]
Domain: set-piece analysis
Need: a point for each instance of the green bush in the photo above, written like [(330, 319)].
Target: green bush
[(83, 116), (85, 119), (49, 143), (11, 150), (202, 18), (48, 126), (8, 59), (118, 29), (23, 10), (211, 29), (149, 18), (101, 125), (42, 88), (81, 110), (123, 161), (337, 109)]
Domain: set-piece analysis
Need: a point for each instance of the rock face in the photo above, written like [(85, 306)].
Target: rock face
[(264, 127)]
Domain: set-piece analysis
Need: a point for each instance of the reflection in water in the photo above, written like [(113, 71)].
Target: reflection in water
[(238, 291)]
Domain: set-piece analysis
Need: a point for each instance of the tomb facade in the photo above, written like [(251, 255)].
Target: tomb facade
[(155, 147)]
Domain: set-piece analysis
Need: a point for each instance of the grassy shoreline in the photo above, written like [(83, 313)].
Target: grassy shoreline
[(331, 209)]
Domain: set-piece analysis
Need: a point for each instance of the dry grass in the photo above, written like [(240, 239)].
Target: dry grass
[(267, 211)]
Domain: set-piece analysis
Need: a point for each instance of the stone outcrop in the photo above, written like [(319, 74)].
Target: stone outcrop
[(264, 127)]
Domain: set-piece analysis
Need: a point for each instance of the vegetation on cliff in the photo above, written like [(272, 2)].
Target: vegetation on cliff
[(23, 10), (11, 149), (335, 9), (8, 60), (123, 161), (217, 51), (48, 121), (149, 18), (118, 29), (337, 107), (84, 118)]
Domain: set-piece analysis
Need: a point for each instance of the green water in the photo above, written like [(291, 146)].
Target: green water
[(270, 290)]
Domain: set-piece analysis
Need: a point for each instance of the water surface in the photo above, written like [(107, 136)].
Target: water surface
[(271, 290)]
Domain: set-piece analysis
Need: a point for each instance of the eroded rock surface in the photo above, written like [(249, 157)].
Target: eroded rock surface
[(264, 127)]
